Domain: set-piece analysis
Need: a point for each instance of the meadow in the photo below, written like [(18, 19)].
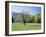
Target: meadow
[(28, 26)]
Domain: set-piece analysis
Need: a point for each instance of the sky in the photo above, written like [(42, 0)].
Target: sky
[(31, 10)]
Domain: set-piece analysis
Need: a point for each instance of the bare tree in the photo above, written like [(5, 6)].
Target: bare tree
[(25, 17)]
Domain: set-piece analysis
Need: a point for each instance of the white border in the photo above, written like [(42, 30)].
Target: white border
[(29, 31)]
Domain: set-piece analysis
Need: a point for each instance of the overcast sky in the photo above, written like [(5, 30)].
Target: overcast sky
[(31, 10)]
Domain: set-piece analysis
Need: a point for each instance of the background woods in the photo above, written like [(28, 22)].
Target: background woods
[(25, 17)]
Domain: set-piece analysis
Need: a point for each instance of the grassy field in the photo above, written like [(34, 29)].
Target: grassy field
[(28, 26)]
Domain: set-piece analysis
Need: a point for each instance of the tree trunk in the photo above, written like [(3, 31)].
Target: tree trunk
[(24, 22)]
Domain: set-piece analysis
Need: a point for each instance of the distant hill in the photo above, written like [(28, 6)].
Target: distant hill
[(17, 16), (15, 13)]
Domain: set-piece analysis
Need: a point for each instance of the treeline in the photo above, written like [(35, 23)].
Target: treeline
[(34, 19), (27, 18)]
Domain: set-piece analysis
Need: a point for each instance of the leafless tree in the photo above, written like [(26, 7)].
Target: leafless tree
[(25, 17)]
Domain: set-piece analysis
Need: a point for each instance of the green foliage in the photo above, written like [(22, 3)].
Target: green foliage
[(31, 20), (37, 19)]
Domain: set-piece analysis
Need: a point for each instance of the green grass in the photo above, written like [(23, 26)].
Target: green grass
[(28, 26)]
